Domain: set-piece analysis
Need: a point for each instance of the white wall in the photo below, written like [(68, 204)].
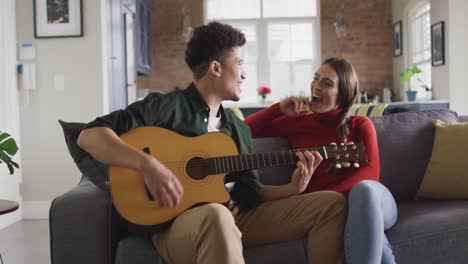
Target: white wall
[(458, 54), (48, 169), (440, 74), (9, 111), (448, 80)]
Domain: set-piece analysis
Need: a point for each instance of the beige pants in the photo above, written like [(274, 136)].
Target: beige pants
[(213, 234)]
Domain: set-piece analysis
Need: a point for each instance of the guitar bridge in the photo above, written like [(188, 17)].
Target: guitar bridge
[(150, 196)]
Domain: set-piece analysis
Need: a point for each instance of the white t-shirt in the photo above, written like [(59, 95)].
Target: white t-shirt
[(214, 123)]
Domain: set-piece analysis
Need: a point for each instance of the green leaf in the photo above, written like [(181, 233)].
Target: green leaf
[(405, 76), (10, 168), (426, 87), (15, 164), (9, 146), (4, 157), (3, 135), (416, 70)]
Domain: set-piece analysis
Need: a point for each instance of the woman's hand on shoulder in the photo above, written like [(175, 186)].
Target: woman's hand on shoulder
[(293, 106)]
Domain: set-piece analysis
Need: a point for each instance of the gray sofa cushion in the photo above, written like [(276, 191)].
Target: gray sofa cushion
[(464, 118), (405, 145), (278, 253), (137, 250), (430, 232), (273, 176), (92, 169)]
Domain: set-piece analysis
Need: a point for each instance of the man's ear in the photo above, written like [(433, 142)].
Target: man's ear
[(215, 68)]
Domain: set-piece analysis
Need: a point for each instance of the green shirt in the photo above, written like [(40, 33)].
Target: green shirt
[(185, 112)]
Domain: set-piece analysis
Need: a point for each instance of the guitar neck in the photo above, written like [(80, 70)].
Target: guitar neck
[(261, 160)]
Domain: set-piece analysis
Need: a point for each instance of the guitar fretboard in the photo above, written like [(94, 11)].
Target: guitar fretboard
[(262, 160)]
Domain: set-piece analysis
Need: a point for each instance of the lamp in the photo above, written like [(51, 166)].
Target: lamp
[(339, 23), (184, 28)]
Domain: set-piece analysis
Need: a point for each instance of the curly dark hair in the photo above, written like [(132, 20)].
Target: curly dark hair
[(211, 42)]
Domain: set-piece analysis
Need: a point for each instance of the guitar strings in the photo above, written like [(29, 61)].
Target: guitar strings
[(267, 155), (283, 158)]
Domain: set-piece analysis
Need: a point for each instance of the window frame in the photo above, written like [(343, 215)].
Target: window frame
[(412, 18), (261, 27)]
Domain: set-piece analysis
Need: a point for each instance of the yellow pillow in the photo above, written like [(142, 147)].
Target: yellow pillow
[(447, 172), (237, 112)]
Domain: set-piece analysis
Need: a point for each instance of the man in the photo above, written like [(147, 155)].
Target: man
[(212, 233)]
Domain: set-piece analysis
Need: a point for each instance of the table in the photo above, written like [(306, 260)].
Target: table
[(7, 206)]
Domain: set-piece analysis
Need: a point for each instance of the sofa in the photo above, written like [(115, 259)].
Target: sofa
[(85, 227)]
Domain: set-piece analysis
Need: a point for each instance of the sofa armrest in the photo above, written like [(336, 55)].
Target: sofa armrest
[(84, 226), (463, 118)]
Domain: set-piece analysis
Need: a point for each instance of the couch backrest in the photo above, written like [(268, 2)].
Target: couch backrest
[(464, 118), (405, 146), (273, 176)]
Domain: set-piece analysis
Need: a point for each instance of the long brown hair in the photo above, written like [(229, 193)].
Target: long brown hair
[(348, 90)]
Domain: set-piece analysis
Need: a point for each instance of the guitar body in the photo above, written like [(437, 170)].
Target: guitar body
[(174, 151)]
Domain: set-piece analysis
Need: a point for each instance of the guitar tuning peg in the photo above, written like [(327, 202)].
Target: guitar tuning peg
[(356, 165), (333, 144), (351, 143), (342, 144), (338, 165), (346, 164)]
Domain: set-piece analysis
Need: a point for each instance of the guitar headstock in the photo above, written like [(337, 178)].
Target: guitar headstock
[(347, 153)]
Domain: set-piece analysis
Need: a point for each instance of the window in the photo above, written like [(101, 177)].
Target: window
[(282, 49), (420, 47)]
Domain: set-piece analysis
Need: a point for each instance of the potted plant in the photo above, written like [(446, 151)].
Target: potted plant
[(405, 77), (263, 91), (8, 149)]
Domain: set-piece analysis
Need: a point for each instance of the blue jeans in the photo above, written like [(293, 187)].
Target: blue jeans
[(371, 211)]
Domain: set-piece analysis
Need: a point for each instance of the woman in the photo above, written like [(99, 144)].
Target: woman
[(372, 208)]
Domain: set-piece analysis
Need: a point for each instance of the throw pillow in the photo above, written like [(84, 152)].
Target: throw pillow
[(90, 167), (446, 175), (237, 112)]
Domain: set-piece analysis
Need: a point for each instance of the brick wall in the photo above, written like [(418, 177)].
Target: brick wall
[(368, 43), (169, 68)]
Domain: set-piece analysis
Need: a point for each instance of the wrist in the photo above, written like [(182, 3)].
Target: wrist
[(143, 161), (281, 106), (293, 189)]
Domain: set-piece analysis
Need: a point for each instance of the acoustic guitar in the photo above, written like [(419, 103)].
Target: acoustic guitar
[(200, 163)]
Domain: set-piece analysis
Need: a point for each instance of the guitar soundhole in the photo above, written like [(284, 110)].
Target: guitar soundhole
[(197, 168)]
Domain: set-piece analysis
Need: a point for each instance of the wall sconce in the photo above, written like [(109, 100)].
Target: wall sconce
[(339, 23), (184, 28)]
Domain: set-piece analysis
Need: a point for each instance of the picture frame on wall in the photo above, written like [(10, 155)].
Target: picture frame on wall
[(438, 44), (58, 18), (397, 39)]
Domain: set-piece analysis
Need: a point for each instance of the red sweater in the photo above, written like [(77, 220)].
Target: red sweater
[(316, 130)]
